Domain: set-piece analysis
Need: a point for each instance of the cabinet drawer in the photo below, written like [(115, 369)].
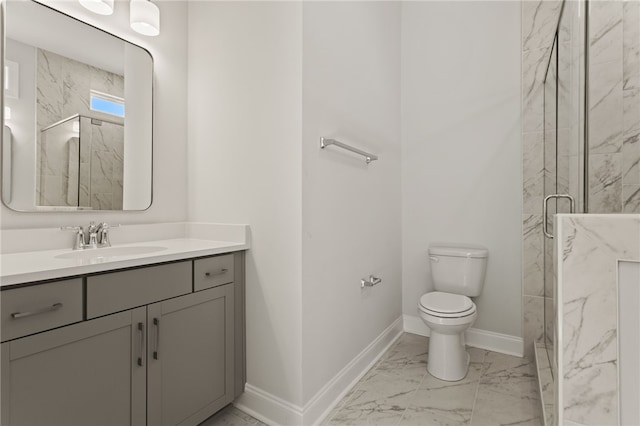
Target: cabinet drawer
[(212, 272), (29, 310), (118, 291)]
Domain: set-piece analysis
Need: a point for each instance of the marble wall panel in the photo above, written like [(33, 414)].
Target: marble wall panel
[(589, 247), (84, 190), (534, 66), (631, 142), (539, 20), (605, 108), (532, 252), (533, 308), (533, 172), (630, 198), (631, 44), (605, 183), (73, 171), (605, 24), (614, 110)]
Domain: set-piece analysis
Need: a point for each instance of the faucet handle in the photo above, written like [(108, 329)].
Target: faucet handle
[(106, 225), (104, 234), (79, 242)]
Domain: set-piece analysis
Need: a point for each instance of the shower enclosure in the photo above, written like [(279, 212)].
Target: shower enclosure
[(80, 163), (591, 124)]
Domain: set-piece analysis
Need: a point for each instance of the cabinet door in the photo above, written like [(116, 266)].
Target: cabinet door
[(190, 356), (83, 374)]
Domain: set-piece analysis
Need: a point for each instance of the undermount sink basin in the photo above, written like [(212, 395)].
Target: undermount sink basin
[(110, 252)]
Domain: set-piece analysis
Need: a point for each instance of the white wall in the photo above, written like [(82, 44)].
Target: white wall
[(461, 150), (245, 93), (169, 52), (350, 210)]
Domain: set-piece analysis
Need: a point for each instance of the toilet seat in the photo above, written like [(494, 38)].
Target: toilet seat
[(446, 305)]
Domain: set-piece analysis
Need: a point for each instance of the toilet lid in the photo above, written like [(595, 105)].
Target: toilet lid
[(446, 303)]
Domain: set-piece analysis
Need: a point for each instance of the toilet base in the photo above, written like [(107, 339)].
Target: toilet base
[(447, 359)]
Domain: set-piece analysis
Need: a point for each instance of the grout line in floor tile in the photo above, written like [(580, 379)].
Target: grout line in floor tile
[(415, 391), (475, 399)]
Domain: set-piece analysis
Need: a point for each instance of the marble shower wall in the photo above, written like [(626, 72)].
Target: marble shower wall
[(63, 90), (614, 107), (587, 249), (539, 21)]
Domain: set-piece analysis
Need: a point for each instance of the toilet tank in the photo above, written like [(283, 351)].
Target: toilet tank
[(458, 268)]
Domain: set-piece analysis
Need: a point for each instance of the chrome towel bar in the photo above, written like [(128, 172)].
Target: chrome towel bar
[(324, 142)]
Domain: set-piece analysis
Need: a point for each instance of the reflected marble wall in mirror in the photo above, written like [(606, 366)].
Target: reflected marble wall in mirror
[(77, 115)]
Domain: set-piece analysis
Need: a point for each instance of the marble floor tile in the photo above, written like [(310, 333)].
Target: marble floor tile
[(507, 393), (498, 390), (495, 407), (450, 400), (415, 416), (231, 416)]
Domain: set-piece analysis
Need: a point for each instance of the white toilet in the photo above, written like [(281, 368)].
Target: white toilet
[(458, 272)]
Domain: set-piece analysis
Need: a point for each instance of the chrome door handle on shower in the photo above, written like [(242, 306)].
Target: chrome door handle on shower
[(572, 209)]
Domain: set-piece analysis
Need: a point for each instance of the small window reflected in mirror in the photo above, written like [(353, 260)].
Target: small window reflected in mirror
[(109, 104)]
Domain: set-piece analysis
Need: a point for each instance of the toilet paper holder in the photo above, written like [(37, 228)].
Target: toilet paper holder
[(373, 280)]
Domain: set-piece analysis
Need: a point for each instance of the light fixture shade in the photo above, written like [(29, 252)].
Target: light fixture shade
[(101, 7), (145, 17)]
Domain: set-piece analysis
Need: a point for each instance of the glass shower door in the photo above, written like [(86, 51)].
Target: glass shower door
[(550, 179), (564, 118)]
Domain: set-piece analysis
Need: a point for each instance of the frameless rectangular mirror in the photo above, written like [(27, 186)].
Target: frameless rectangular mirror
[(78, 108)]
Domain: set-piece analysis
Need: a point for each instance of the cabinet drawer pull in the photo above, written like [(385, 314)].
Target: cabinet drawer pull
[(51, 308), (141, 332), (156, 353), (220, 272)]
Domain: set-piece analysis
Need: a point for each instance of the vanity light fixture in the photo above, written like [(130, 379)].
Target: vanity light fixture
[(101, 7), (145, 17)]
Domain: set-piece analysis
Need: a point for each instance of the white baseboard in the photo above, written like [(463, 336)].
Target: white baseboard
[(275, 411), (328, 397), (483, 339), (268, 408)]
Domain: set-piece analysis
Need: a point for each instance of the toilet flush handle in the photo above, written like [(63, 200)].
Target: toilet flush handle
[(434, 259)]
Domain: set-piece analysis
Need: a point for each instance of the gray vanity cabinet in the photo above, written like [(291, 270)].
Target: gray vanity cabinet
[(82, 374), (190, 356), (147, 349)]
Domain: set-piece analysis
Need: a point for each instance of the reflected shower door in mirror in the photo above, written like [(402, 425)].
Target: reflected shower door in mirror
[(77, 115), (81, 164)]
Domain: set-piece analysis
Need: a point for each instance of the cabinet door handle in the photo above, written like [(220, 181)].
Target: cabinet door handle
[(54, 307), (141, 332), (213, 274), (156, 353)]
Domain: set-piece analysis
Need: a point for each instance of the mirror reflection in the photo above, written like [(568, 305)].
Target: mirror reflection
[(78, 115)]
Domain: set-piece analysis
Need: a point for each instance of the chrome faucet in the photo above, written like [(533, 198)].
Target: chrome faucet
[(98, 235)]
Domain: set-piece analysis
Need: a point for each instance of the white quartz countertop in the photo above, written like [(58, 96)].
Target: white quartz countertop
[(18, 268), (198, 241)]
